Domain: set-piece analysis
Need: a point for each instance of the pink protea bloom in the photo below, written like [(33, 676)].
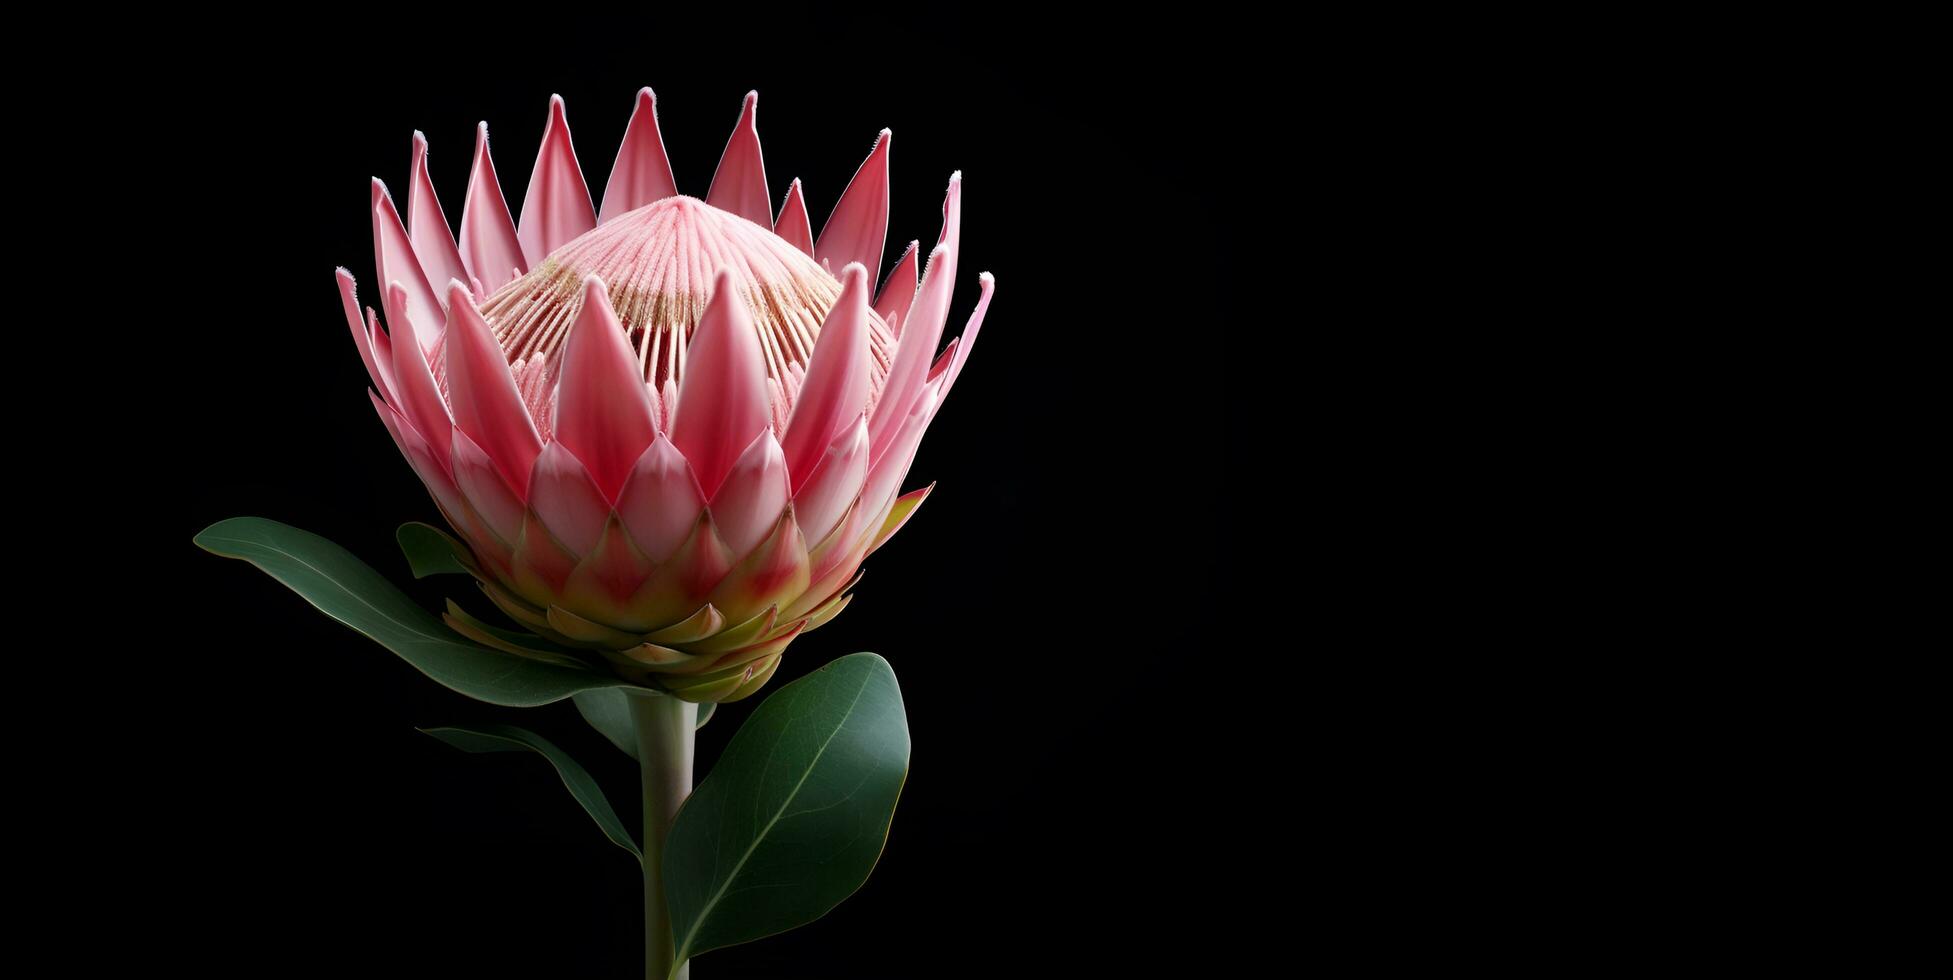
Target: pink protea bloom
[(669, 432)]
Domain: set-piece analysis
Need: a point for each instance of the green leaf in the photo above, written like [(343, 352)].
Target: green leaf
[(343, 587), (795, 814), (430, 551), (508, 738), (609, 711)]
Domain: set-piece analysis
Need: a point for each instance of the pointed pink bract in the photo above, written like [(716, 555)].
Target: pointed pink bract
[(393, 255), (858, 228), (898, 290), (557, 207), (483, 396), (564, 497), (421, 399), (722, 404), (660, 502), (604, 415), (642, 173), (749, 503), (489, 245), (427, 224), (349, 298), (819, 503), (837, 385), (792, 224), (739, 185)]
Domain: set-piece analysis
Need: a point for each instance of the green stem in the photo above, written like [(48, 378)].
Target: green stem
[(666, 730)]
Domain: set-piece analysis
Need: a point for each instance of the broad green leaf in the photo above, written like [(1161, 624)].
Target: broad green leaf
[(609, 712), (343, 587), (430, 551), (508, 738), (795, 813)]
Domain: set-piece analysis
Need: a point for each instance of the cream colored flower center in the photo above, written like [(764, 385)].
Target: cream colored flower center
[(659, 262)]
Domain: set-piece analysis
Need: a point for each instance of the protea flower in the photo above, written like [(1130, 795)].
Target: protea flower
[(669, 431)]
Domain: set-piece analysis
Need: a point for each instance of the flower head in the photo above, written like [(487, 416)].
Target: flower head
[(669, 432)]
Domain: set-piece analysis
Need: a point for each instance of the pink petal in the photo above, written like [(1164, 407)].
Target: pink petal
[(921, 330), (748, 505), (427, 224), (382, 353), (792, 224), (987, 283), (898, 291), (393, 254), (922, 327), (483, 395), (557, 207), (857, 229), (722, 404), (739, 185), (488, 493), (660, 503), (421, 400), (539, 566), (563, 496), (835, 391), (490, 247), (642, 173), (820, 502), (952, 211), (773, 573), (943, 360), (432, 471), (685, 578), (899, 513), (348, 298), (603, 413), (885, 473)]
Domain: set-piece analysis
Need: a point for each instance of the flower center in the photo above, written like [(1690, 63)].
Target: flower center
[(659, 262)]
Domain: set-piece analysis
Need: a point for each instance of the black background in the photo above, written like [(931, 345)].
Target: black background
[(1057, 612)]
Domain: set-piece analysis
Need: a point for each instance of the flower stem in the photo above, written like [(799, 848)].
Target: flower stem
[(665, 735)]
